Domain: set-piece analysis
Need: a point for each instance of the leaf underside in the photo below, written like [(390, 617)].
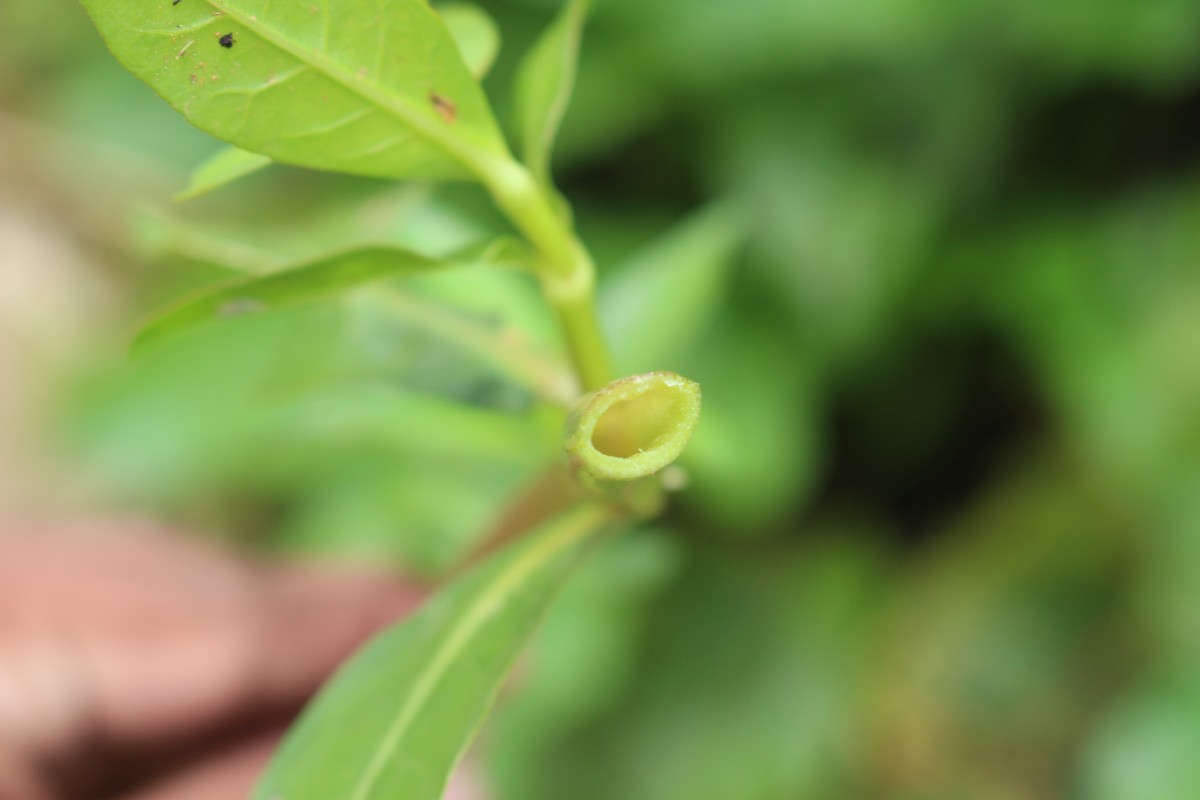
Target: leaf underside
[(360, 86), (393, 723), (478, 41)]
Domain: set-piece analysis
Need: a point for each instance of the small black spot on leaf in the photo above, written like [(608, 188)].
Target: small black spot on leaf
[(226, 40)]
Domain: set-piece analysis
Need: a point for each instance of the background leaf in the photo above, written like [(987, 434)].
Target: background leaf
[(399, 716), (757, 452), (287, 287), (314, 84), (474, 32), (656, 306), (225, 166), (485, 316), (544, 86)]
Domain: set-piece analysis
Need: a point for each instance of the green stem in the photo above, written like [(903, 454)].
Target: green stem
[(567, 274), (585, 340)]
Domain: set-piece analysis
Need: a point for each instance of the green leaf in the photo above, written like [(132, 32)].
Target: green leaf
[(370, 89), (395, 721), (544, 85), (472, 29), (225, 166), (474, 32), (657, 305), (307, 282), (480, 311)]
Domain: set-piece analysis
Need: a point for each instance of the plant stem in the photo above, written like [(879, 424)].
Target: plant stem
[(567, 274), (585, 340)]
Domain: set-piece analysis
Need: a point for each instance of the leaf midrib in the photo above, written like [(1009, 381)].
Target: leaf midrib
[(471, 620), (453, 145)]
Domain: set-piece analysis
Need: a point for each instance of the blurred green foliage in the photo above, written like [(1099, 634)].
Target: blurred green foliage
[(942, 536)]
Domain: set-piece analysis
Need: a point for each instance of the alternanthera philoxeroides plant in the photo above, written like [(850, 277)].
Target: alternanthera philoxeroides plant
[(390, 89)]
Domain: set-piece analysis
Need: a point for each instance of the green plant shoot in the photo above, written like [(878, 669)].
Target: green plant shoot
[(392, 91)]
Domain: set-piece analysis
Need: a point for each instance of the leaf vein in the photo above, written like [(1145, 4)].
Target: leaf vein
[(474, 617), (352, 117), (425, 126), (375, 149)]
